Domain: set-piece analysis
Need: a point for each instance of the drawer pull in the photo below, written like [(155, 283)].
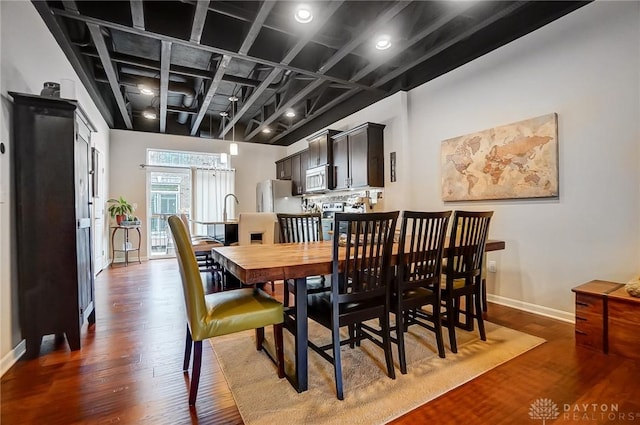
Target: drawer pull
[(580, 318), (580, 332), (582, 303)]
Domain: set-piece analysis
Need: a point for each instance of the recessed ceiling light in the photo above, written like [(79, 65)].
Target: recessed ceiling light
[(149, 113), (290, 114), (383, 42), (145, 90), (223, 114), (233, 99), (303, 14), (266, 130)]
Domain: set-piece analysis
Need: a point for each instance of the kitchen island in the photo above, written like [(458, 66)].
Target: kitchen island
[(225, 232)]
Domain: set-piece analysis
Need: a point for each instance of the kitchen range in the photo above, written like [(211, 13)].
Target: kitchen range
[(329, 209)]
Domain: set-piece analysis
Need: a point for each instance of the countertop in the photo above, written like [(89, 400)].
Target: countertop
[(206, 223)]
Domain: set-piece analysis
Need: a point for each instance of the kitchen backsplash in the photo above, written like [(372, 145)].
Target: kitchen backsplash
[(371, 198)]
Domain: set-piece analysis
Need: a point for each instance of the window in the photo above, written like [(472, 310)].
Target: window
[(191, 183)]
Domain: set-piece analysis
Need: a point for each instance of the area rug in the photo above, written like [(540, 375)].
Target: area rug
[(370, 396)]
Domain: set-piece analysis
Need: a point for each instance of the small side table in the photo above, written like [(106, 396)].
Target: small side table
[(126, 248), (591, 327)]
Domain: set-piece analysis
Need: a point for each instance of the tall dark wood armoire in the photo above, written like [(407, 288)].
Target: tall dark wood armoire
[(52, 150)]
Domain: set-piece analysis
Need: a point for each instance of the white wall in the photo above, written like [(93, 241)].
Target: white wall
[(255, 162), (29, 56), (585, 67)]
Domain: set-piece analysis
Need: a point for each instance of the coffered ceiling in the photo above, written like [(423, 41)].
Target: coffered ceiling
[(290, 78)]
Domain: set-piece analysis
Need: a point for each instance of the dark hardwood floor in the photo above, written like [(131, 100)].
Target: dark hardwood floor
[(129, 370)]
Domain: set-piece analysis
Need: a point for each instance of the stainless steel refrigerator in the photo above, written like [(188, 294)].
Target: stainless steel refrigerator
[(275, 196)]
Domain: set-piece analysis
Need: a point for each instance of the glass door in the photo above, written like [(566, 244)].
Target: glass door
[(169, 193)]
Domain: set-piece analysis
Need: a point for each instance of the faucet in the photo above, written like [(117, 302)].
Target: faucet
[(224, 211)]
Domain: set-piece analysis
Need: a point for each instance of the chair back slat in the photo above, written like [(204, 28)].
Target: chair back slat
[(361, 266), (422, 237), (468, 238), (305, 227)]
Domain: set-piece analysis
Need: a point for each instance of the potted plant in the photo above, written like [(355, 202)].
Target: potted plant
[(119, 209)]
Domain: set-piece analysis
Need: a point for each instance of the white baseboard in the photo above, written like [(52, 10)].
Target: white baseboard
[(533, 308), (12, 357)]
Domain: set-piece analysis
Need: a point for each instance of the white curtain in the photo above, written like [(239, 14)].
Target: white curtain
[(209, 189)]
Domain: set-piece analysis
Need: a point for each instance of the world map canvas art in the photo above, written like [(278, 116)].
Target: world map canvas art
[(518, 160)]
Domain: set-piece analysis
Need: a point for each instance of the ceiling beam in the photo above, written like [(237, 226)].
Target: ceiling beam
[(428, 54), (70, 5), (199, 19), (443, 46), (137, 14), (210, 49), (367, 34), (362, 37), (174, 69), (287, 105), (72, 53), (252, 34), (291, 54), (165, 63), (103, 51), (277, 23), (430, 29)]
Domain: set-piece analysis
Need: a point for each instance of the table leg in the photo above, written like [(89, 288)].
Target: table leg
[(126, 247), (301, 334), (139, 242), (113, 247)]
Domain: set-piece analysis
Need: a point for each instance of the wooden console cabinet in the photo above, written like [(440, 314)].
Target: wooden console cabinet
[(607, 318), (623, 323)]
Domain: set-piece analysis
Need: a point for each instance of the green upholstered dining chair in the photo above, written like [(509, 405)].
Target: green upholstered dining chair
[(220, 313), (462, 273)]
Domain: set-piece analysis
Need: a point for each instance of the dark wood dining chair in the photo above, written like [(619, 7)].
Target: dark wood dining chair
[(220, 313), (418, 273), (360, 287), (298, 228), (462, 273), (201, 246)]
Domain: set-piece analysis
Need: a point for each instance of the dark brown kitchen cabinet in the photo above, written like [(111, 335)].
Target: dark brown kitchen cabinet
[(358, 157), (304, 165), (51, 152), (294, 168), (296, 183), (283, 169), (320, 148)]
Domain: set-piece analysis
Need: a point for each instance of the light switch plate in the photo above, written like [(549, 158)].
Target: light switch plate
[(493, 266)]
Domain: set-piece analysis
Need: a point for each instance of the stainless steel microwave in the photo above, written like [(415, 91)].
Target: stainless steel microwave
[(318, 179)]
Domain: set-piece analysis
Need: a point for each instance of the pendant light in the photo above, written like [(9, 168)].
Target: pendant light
[(233, 147)]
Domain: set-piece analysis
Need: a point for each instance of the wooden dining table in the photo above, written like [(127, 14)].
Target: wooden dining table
[(257, 263)]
